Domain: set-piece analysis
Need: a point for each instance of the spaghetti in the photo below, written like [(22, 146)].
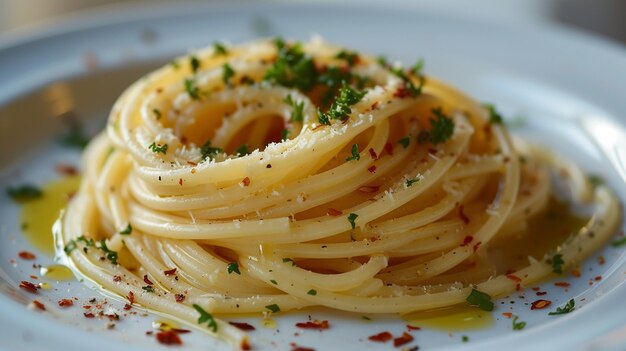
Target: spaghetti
[(273, 176)]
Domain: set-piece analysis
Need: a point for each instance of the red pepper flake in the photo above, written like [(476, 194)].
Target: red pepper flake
[(300, 348), (28, 286), (131, 297), (333, 212), (507, 314), (402, 340), (540, 293), (180, 181), (467, 240), (412, 327), (246, 181), (535, 288), (170, 272), (540, 304), (562, 284), (373, 154), (601, 260), (477, 246), (370, 189), (66, 170), (374, 105), (127, 307), (314, 325), (192, 163), (168, 337), (372, 169), (245, 345), (598, 278), (66, 303), (402, 92), (39, 305), (242, 326), (25, 255), (89, 315), (381, 337), (462, 215), (117, 278), (179, 297), (576, 273), (146, 280), (517, 281), (389, 148)]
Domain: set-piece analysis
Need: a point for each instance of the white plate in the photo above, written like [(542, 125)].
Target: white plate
[(568, 87)]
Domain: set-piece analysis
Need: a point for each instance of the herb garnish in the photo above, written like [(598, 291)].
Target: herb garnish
[(441, 130), (284, 135), (242, 150), (273, 282), (355, 153), (88, 242), (351, 218), (191, 89), (157, 113), (71, 245), (286, 259), (312, 292), (297, 109), (208, 151), (351, 57), (569, 307), (227, 73), (75, 137), (518, 325), (595, 180), (410, 182), (333, 77), (128, 230), (205, 317), (159, 149), (24, 192), (148, 288), (405, 141), (408, 85), (110, 254), (465, 338), (292, 67), (480, 300), (494, 116), (340, 109), (273, 307), (557, 264), (233, 267), (619, 242), (194, 63), (219, 48)]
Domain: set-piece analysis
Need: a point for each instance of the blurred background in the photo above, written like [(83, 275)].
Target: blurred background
[(602, 17)]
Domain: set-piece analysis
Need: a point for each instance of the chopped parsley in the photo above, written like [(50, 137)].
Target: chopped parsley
[(157, 113), (159, 149), (71, 245), (88, 242), (191, 89), (206, 317), (408, 84), (340, 109), (619, 242), (312, 292), (297, 109), (292, 68), (274, 308), (417, 68), (465, 338), (148, 288), (208, 151), (441, 130), (557, 263), (322, 118), (382, 60), (480, 300), (284, 135), (219, 48), (409, 182), (24, 192), (175, 64), (405, 141), (75, 137), (273, 282), (351, 218), (227, 73), (569, 307), (110, 254), (494, 116), (355, 153), (350, 57), (518, 325), (595, 180), (194, 63), (242, 150), (233, 267), (333, 78), (286, 259), (128, 230)]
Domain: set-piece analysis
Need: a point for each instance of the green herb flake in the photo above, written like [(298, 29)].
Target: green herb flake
[(366, 318), (557, 263), (355, 153), (408, 88), (88, 242), (323, 118), (297, 109), (340, 109), (69, 247), (285, 260), (75, 137), (312, 292), (159, 149), (494, 116), (192, 89), (417, 68), (157, 113), (465, 338), (480, 300), (442, 128), (284, 135), (227, 73), (219, 49), (274, 308), (350, 57), (148, 288), (595, 180), (128, 230), (175, 65), (569, 307), (405, 141), (242, 150), (206, 317), (25, 192), (382, 60), (351, 218), (194, 63), (209, 152), (292, 68), (518, 325), (409, 182), (233, 267), (273, 282), (110, 254), (619, 242)]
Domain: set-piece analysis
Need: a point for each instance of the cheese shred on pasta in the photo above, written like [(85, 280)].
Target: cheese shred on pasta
[(275, 175)]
